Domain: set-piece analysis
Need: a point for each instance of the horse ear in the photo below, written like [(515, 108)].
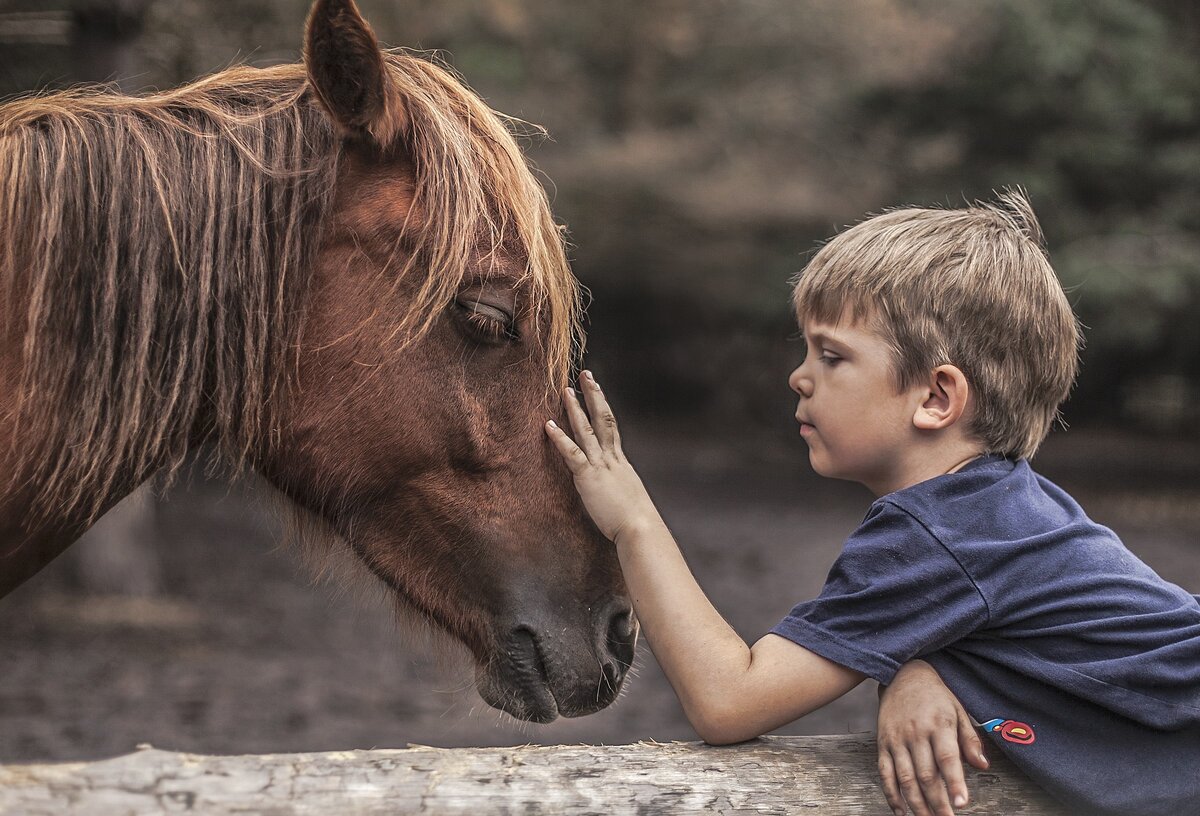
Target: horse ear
[(347, 71)]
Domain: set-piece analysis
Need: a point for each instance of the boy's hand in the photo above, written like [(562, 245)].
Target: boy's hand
[(922, 730), (611, 490)]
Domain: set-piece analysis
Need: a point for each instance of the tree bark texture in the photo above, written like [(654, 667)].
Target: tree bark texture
[(831, 775)]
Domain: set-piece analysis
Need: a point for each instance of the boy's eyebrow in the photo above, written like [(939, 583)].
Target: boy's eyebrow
[(819, 336)]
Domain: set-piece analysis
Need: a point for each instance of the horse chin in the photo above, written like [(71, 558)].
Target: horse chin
[(531, 702), (517, 681)]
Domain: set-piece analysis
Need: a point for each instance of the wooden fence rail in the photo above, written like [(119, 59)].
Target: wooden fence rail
[(831, 776)]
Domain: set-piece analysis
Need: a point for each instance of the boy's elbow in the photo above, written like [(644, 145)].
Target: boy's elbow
[(725, 735), (721, 725), (720, 737)]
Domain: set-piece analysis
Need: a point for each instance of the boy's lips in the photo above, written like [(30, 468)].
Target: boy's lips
[(806, 428)]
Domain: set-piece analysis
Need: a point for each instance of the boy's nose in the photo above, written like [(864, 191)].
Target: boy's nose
[(799, 383)]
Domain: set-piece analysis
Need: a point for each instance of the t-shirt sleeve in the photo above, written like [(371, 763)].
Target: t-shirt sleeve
[(893, 594)]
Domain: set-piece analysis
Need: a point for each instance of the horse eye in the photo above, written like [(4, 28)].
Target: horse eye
[(487, 322)]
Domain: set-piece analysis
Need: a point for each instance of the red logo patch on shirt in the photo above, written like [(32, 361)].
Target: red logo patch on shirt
[(1012, 730)]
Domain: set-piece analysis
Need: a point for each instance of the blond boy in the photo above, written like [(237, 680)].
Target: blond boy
[(940, 345)]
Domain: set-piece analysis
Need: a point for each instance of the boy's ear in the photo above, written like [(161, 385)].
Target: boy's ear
[(945, 399)]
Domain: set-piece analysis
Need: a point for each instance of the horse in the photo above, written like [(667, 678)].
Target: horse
[(341, 275)]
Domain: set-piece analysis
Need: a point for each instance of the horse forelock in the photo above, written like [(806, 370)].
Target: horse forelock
[(482, 198), (163, 244)]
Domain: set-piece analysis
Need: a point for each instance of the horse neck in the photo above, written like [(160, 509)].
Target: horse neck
[(155, 309), (26, 543)]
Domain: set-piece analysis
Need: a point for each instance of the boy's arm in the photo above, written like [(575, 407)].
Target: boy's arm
[(922, 731), (729, 691)]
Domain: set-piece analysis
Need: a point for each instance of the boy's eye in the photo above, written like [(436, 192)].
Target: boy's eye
[(829, 359)]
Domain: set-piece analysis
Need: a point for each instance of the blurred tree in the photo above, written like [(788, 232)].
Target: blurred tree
[(1096, 109), (104, 34), (33, 46), (1184, 15)]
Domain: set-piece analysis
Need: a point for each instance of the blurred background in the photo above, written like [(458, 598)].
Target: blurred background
[(699, 150)]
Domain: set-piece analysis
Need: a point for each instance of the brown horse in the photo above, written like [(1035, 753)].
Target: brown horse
[(343, 275)]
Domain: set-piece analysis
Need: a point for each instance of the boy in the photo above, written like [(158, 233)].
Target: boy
[(940, 345)]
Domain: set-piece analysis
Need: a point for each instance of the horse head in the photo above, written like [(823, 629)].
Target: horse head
[(438, 327)]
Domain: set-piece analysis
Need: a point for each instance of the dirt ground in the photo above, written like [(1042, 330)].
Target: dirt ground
[(242, 653)]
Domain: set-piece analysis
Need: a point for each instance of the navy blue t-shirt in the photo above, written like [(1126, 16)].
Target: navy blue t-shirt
[(1081, 662)]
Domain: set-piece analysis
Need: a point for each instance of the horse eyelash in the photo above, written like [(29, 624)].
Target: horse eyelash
[(490, 328)]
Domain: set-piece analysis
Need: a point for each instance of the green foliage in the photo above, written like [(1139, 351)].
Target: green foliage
[(1095, 108)]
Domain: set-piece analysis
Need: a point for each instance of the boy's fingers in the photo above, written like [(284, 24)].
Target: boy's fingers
[(910, 788), (891, 790), (585, 437), (929, 778), (969, 741), (605, 422), (575, 458), (946, 752)]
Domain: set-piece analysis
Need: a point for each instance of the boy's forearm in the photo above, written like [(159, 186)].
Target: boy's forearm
[(699, 652)]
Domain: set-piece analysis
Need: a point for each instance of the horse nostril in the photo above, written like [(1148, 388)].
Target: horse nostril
[(613, 672), (620, 639), (621, 627)]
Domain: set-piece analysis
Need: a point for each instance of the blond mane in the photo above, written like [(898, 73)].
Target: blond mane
[(163, 245)]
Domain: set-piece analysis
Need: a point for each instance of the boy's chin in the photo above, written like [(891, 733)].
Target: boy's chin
[(823, 467), (820, 465)]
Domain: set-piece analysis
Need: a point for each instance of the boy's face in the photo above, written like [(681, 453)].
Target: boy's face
[(856, 424)]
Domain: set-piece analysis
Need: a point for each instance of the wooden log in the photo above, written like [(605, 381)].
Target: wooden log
[(776, 775)]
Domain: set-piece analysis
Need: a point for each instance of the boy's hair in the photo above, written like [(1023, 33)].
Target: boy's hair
[(970, 287)]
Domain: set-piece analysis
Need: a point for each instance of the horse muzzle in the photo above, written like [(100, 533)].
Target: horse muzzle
[(540, 671)]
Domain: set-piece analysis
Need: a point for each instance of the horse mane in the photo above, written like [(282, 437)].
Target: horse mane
[(163, 245)]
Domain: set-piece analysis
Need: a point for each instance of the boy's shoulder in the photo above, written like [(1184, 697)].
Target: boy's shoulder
[(1024, 542), (1005, 526), (992, 499)]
